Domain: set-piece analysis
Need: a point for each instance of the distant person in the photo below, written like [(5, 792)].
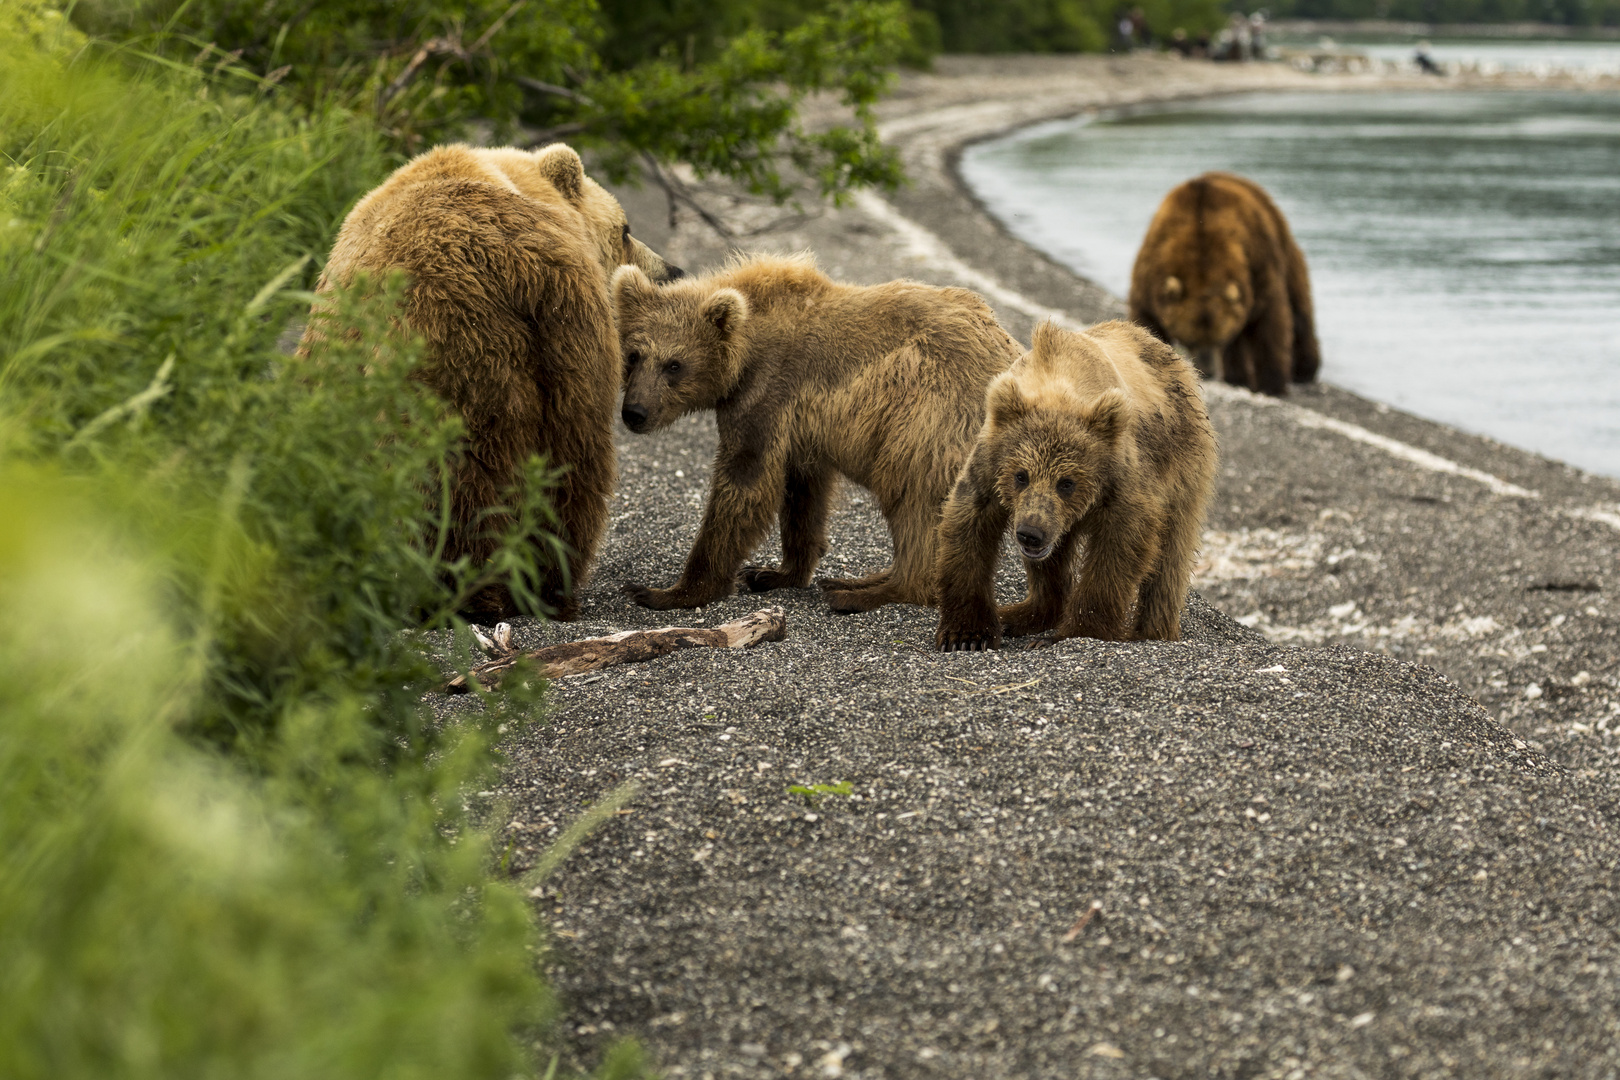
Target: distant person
[(1257, 35), (1180, 43), (1126, 31), (1140, 33), (1424, 61)]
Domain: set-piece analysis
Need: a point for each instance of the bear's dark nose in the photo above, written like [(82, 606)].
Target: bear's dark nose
[(635, 417), (674, 272), (1031, 537)]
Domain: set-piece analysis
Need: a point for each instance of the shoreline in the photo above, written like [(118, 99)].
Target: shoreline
[(1367, 828)]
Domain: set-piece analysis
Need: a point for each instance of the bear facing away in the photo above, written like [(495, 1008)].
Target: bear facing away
[(508, 254), (1097, 450), (1219, 273), (809, 380)]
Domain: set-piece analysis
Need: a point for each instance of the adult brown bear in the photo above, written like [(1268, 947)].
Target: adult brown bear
[(1220, 274), (508, 253)]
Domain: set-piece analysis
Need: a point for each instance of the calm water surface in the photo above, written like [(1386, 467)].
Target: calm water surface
[(1464, 247)]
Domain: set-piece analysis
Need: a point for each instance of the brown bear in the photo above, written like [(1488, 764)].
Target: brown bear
[(1097, 449), (810, 380), (508, 253), (1220, 274)]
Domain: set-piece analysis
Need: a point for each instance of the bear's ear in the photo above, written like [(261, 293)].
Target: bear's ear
[(1106, 416), (560, 164), (1172, 288), (726, 310), (630, 285), (1005, 401)]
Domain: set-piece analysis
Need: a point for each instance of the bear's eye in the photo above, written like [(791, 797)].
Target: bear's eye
[(1021, 478), (672, 368), (1065, 486), (633, 359)]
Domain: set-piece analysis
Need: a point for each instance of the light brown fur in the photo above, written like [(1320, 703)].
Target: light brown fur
[(508, 254), (810, 380), (1097, 450), (1219, 272)]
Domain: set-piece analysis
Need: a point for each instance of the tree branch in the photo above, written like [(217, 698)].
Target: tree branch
[(630, 647)]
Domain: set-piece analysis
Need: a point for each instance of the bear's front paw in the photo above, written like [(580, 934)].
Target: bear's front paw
[(660, 599), (766, 578), (961, 638)]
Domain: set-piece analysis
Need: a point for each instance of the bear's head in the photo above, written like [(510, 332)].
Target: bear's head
[(1204, 303), (683, 346), (1055, 448), (562, 168)]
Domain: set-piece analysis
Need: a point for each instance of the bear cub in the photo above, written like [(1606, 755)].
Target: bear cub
[(1219, 272), (1098, 452), (810, 380)]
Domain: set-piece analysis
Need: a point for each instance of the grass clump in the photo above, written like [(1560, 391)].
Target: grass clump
[(232, 841)]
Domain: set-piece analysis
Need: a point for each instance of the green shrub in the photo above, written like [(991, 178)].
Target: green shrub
[(232, 840)]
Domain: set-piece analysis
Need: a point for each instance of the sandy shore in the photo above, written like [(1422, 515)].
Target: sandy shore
[(1371, 830)]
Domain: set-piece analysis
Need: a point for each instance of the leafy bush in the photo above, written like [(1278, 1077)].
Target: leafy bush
[(996, 26), (232, 840), (714, 85), (164, 914)]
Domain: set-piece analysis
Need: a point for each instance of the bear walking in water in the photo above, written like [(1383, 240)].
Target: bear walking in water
[(1220, 274), (809, 380), (508, 254), (1097, 450)]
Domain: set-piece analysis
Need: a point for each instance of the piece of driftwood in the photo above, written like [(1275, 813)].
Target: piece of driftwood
[(630, 647)]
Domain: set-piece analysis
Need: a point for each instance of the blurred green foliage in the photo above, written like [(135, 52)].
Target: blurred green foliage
[(1046, 26), (232, 838), (715, 85)]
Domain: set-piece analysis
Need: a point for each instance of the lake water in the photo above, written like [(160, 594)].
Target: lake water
[(1464, 247)]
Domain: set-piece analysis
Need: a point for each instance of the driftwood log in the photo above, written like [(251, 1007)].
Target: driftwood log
[(630, 647)]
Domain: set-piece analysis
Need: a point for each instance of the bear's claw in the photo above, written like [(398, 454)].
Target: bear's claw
[(658, 599), (765, 578), (966, 640)]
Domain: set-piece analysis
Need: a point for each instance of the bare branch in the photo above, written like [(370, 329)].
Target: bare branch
[(674, 190), (632, 646), (554, 90)]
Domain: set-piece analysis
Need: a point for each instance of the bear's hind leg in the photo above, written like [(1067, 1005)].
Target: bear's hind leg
[(1163, 592), (911, 579), (805, 503), (1049, 582)]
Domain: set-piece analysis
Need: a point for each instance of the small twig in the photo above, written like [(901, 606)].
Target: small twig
[(1080, 924), (495, 27), (429, 48), (673, 190), (554, 90)]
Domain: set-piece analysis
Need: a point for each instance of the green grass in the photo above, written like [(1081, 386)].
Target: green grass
[(232, 842)]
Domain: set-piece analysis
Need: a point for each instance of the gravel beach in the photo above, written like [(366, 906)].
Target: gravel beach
[(1361, 822)]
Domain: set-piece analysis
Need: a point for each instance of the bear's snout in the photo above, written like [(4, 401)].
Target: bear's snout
[(1033, 539), (634, 416)]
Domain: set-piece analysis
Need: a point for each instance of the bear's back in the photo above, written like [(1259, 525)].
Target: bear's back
[(1112, 355)]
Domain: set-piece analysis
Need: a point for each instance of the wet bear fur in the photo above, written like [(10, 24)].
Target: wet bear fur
[(1097, 451), (810, 380), (508, 254), (1220, 274)]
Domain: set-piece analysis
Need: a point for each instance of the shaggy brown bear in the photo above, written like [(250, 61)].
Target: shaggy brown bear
[(809, 380), (508, 254), (1219, 272), (1097, 449)]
